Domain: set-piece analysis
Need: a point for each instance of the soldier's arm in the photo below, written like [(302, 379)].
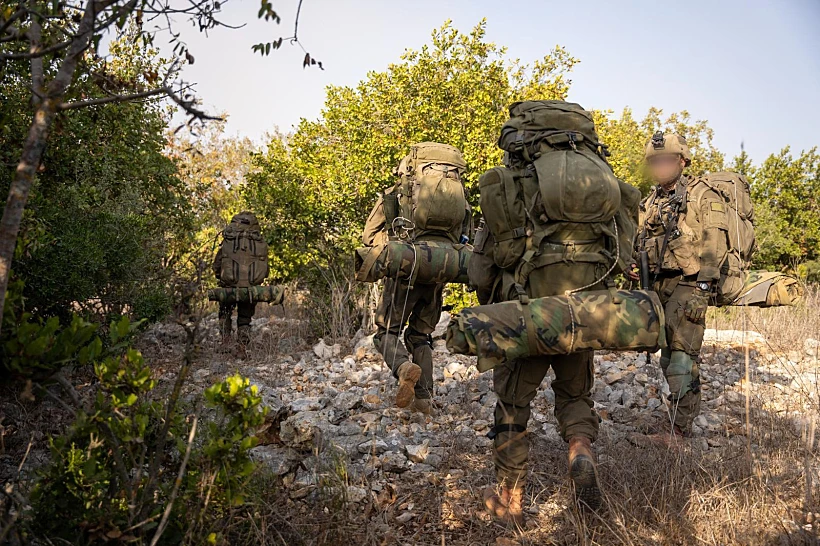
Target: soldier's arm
[(714, 219), (375, 231)]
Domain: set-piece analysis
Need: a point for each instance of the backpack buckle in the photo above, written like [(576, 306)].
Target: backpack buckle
[(569, 252)]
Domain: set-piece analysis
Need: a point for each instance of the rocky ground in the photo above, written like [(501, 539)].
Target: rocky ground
[(335, 437), (348, 467)]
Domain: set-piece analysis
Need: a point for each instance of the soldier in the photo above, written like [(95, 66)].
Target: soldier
[(683, 230), (562, 253), (428, 203), (241, 261)]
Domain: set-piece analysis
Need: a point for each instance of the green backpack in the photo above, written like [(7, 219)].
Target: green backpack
[(556, 187), (429, 198), (244, 252), (736, 192)]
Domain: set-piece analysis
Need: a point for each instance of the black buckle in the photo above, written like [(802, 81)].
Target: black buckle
[(511, 427)]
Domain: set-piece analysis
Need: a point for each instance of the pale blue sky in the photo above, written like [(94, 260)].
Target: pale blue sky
[(752, 68)]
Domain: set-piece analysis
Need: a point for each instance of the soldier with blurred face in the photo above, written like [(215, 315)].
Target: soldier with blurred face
[(683, 230)]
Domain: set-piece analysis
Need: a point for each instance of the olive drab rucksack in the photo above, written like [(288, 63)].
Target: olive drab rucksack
[(736, 192), (429, 198), (244, 253), (556, 188)]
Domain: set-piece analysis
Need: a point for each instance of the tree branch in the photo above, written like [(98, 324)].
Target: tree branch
[(37, 77), (14, 16), (35, 52), (114, 98)]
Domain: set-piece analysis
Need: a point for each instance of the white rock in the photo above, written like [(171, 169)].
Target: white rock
[(441, 327), (811, 346), (418, 453), (308, 403), (377, 446), (356, 494), (326, 352), (395, 462)]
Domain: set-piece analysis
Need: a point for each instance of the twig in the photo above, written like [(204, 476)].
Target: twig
[(114, 98), (177, 483)]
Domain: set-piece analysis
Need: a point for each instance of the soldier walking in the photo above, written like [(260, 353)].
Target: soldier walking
[(427, 203), (557, 221), (240, 262)]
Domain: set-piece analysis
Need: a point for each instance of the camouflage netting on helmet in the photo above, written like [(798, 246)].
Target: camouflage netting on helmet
[(429, 262), (268, 294), (769, 289), (614, 320)]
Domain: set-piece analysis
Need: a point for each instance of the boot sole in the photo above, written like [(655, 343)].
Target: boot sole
[(406, 392), (586, 483)]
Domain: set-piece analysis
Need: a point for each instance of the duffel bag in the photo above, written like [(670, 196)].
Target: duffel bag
[(615, 320)]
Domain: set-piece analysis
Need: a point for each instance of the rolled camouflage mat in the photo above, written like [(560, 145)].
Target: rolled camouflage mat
[(268, 294), (435, 262), (617, 320), (769, 289)]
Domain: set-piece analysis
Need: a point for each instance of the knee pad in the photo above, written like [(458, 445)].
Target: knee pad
[(679, 375), (415, 339)]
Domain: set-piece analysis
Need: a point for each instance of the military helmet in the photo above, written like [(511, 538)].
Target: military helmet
[(661, 144)]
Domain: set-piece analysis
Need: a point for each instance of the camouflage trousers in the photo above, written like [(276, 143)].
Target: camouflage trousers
[(516, 383), (243, 320), (420, 309), (680, 360)]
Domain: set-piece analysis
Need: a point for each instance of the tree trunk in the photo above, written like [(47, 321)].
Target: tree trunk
[(37, 137)]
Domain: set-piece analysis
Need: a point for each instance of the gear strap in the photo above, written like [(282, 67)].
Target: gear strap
[(507, 427), (524, 300)]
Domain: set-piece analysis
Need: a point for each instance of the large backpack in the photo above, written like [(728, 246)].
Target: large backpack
[(429, 198), (244, 252), (735, 190), (557, 186)]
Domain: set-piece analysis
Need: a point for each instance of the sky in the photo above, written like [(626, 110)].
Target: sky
[(751, 68)]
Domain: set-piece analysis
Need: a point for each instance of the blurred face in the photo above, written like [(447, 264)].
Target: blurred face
[(665, 168)]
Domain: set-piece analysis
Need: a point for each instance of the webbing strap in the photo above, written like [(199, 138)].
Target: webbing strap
[(524, 300), (507, 427), (368, 263)]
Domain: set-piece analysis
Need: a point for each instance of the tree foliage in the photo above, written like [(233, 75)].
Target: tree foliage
[(106, 203)]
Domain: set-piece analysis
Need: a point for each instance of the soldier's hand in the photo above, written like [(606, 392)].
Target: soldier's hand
[(695, 308), (633, 273)]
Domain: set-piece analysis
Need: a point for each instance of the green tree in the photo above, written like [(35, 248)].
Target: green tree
[(316, 187), (786, 192), (627, 138)]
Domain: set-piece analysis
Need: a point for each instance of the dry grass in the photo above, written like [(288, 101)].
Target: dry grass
[(760, 489)]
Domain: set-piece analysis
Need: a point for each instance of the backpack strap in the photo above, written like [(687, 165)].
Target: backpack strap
[(524, 300)]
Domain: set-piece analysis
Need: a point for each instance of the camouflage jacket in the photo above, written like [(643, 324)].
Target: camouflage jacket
[(375, 229), (697, 243)]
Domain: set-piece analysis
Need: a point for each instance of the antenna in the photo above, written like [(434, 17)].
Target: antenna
[(743, 158)]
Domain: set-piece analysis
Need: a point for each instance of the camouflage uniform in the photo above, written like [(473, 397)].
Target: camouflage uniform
[(418, 306), (516, 383), (245, 310), (695, 251)]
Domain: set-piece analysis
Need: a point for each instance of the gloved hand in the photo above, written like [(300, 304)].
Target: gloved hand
[(696, 306)]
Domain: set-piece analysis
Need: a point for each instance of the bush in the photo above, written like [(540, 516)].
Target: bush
[(131, 468)]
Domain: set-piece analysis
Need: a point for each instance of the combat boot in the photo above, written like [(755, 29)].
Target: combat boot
[(505, 504), (422, 405), (583, 472), (409, 375)]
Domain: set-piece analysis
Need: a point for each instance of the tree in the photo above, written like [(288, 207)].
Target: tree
[(99, 223), (55, 47), (316, 187), (786, 193), (627, 138)]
